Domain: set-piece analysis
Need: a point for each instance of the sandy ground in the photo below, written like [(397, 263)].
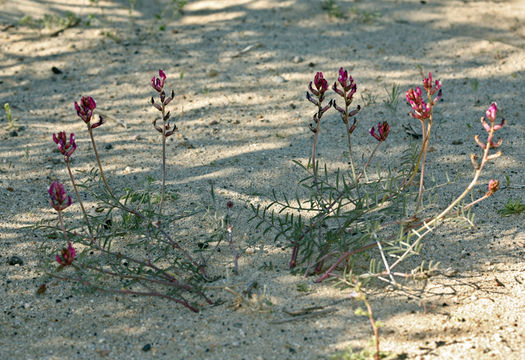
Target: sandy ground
[(239, 69)]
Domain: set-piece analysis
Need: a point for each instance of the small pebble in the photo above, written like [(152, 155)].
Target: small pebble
[(15, 260), (278, 79), (297, 59)]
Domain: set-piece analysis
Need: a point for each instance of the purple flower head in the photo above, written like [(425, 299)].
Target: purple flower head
[(158, 82), (229, 204), (383, 130), (343, 77), (67, 256), (421, 110), (59, 200), (347, 83), (66, 148), (86, 107), (491, 115), (427, 84), (320, 83), (491, 112)]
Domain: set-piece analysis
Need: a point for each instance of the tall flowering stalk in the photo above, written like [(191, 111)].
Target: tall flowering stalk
[(424, 112), (347, 91), (317, 97), (85, 112), (165, 129), (67, 148)]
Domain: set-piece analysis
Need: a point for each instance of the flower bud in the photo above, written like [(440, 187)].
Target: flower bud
[(493, 187), (491, 112)]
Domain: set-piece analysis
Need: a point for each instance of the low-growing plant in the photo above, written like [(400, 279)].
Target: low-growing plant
[(368, 99), (512, 207), (365, 16), (332, 8), (338, 217), (125, 245), (365, 354), (9, 116), (49, 21), (392, 101)]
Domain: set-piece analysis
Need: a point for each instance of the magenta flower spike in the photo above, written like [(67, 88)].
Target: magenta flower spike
[(421, 110), (347, 83), (158, 82), (491, 115), (67, 256), (85, 109), (343, 77), (433, 88), (383, 130), (320, 82), (66, 148), (59, 200), (491, 112)]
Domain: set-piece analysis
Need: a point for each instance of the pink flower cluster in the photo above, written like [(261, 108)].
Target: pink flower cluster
[(414, 97), (67, 256), (59, 199), (382, 131), (66, 148), (491, 116), (85, 111), (158, 82), (348, 85)]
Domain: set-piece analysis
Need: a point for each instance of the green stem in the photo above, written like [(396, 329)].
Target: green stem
[(163, 158), (349, 141), (316, 135), (84, 213), (98, 161), (62, 224), (424, 151), (374, 326)]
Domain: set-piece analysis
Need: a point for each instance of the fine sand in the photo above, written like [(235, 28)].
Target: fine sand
[(240, 69)]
